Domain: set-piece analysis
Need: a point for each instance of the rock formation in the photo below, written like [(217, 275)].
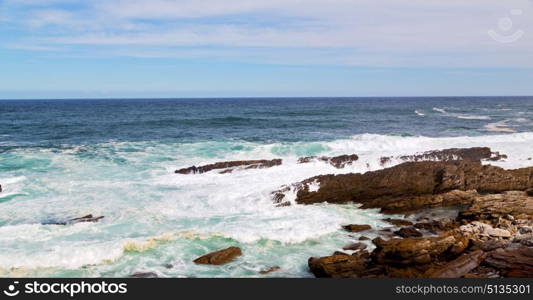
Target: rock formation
[(338, 162), (230, 166), (219, 257)]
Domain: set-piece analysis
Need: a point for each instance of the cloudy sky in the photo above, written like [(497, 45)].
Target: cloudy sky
[(224, 48)]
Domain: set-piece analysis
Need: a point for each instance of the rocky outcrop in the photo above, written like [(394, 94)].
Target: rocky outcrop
[(513, 261), (459, 267), (219, 257), (230, 166), (340, 266), (338, 162), (488, 207), (454, 154), (411, 186)]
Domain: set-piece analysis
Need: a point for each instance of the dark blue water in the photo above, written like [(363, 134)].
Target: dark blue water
[(58, 122)]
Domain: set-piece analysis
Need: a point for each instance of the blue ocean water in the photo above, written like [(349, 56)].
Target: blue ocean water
[(67, 158)]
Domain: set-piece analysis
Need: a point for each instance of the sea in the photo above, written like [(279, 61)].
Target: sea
[(62, 159)]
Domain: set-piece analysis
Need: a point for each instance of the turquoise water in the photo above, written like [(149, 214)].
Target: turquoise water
[(65, 159)]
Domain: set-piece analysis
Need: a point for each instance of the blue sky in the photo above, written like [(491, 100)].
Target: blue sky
[(214, 48)]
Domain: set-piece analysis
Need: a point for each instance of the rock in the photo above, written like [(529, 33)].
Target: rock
[(494, 206), (339, 266), (472, 154), (413, 185), (84, 219), (364, 238), (408, 232), (270, 270), (356, 227), (398, 222), (524, 239), (0, 188), (410, 251), (219, 257), (435, 226), (460, 266), (355, 246), (492, 244), (513, 261), (340, 253), (144, 275), (338, 162), (525, 229), (230, 165), (528, 191)]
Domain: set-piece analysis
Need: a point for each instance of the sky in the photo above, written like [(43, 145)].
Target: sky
[(265, 48)]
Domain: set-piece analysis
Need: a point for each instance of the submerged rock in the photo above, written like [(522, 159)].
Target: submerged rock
[(338, 162), (219, 257), (84, 219), (355, 246), (357, 227), (270, 270), (229, 166), (144, 275)]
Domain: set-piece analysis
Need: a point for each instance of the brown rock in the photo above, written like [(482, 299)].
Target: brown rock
[(398, 222), (414, 185), (229, 165), (356, 227), (460, 266), (435, 226), (490, 207), (338, 162), (219, 257), (270, 270), (339, 266), (528, 191), (408, 232), (355, 246), (364, 238), (513, 261)]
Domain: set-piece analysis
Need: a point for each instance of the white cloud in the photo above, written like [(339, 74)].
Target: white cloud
[(393, 32)]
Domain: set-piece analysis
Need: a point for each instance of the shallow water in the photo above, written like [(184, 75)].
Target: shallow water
[(65, 159)]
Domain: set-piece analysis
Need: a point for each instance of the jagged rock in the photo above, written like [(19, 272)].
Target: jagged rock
[(413, 185), (356, 227), (219, 257), (339, 266), (230, 165), (435, 226), (513, 261), (489, 207), (84, 219), (408, 232), (269, 270), (144, 275), (460, 266), (524, 239), (410, 251), (338, 162), (355, 246), (453, 154), (398, 222)]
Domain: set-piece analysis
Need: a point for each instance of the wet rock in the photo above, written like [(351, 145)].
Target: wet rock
[(355, 246), (269, 270), (435, 226), (144, 275), (219, 257), (515, 204), (0, 188), (340, 253), (339, 266), (513, 261), (408, 232), (356, 227), (338, 162), (410, 251), (84, 219), (229, 166), (364, 238), (453, 154), (398, 222), (414, 185), (460, 266)]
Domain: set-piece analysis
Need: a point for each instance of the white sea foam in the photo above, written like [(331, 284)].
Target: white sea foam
[(419, 113), (461, 116), (143, 200)]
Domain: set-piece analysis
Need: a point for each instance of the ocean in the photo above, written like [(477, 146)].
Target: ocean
[(61, 159)]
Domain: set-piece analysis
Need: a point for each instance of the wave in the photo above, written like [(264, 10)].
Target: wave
[(461, 116), (419, 113)]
